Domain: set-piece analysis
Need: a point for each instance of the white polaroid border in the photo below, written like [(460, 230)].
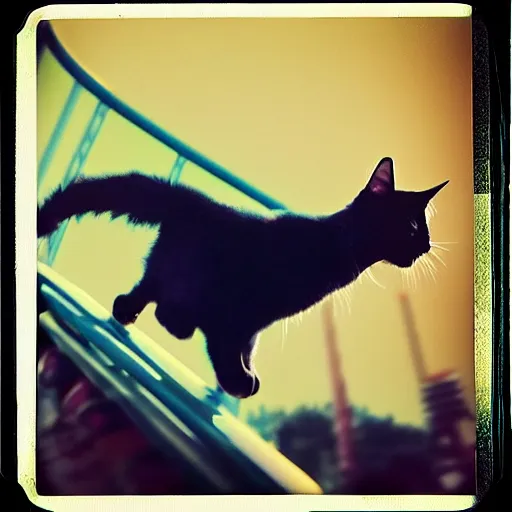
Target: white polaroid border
[(26, 261)]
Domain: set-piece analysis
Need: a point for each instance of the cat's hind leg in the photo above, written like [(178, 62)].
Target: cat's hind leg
[(127, 307), (232, 362), (175, 319)]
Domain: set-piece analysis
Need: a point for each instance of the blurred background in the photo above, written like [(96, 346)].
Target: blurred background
[(302, 109)]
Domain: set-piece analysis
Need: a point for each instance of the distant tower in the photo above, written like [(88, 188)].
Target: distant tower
[(342, 410), (412, 336), (445, 409)]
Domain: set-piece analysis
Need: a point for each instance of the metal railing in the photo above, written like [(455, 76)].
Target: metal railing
[(108, 101)]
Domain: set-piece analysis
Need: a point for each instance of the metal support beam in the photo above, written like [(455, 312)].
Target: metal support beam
[(75, 167), (58, 131), (177, 169)]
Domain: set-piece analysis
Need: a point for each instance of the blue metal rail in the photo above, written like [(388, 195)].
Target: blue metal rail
[(50, 40)]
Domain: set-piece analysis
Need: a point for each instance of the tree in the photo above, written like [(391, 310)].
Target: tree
[(391, 458), (306, 437), (266, 422)]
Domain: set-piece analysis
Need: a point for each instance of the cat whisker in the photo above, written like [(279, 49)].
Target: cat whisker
[(445, 243), (431, 269), (433, 261), (334, 300), (416, 276), (338, 302), (298, 318), (346, 297), (438, 258), (407, 273), (409, 277), (424, 268), (430, 262), (372, 277), (421, 266), (355, 277), (413, 280), (440, 247), (284, 332)]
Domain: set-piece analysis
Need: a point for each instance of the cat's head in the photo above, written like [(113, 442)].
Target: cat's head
[(392, 224)]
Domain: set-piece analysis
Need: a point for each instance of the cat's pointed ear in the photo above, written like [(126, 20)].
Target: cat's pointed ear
[(428, 195), (382, 180)]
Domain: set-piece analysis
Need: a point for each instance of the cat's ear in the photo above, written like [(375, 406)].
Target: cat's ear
[(428, 195), (382, 181)]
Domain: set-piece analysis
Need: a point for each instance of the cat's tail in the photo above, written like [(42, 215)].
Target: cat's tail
[(144, 199)]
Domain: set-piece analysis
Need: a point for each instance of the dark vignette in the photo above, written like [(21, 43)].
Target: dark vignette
[(495, 17)]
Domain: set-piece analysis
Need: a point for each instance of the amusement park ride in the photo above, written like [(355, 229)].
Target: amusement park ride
[(443, 404)]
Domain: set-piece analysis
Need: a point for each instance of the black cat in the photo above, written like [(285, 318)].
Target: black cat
[(232, 273)]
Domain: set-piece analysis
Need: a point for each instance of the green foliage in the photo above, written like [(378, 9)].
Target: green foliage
[(385, 451), (307, 438)]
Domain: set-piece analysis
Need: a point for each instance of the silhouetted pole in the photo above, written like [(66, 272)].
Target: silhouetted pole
[(412, 336), (342, 411)]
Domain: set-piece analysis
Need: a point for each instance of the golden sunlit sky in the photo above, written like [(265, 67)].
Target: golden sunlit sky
[(303, 109)]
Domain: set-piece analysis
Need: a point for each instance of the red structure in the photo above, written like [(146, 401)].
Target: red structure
[(445, 409), (412, 336), (342, 410)]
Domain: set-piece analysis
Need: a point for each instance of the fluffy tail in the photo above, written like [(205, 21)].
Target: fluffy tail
[(144, 199)]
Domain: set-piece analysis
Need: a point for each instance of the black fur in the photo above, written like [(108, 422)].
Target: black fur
[(232, 274)]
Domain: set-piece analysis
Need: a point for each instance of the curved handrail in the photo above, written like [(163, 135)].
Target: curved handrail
[(48, 38)]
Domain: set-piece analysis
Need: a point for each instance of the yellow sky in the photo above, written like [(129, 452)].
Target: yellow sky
[(303, 109)]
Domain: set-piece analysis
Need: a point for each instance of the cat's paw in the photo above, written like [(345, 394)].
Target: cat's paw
[(232, 363), (240, 386), (122, 310)]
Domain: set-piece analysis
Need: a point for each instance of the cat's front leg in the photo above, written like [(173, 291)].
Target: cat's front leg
[(127, 307), (231, 357)]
